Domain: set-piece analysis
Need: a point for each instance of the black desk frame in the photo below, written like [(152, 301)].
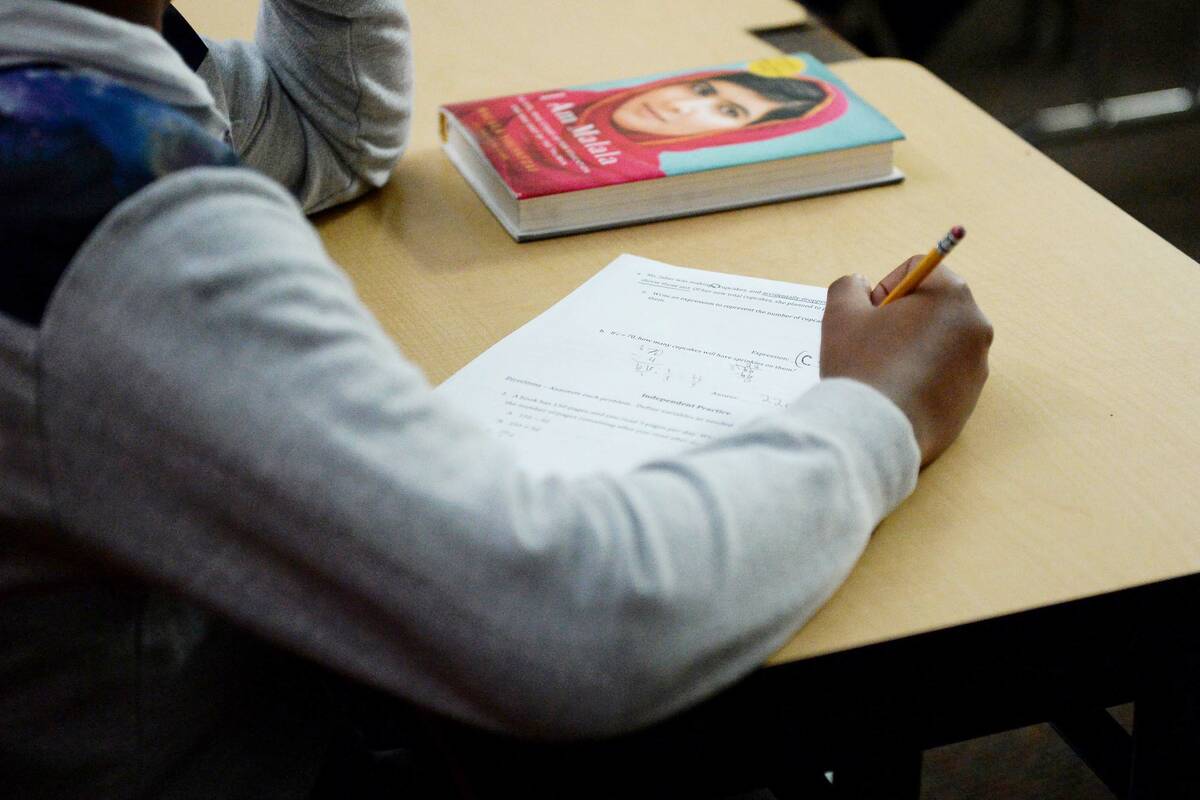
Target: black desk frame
[(866, 714)]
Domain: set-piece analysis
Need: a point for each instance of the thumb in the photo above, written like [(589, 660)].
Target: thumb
[(849, 293)]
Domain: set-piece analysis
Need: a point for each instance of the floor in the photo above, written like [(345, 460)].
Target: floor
[(1026, 764), (1013, 58)]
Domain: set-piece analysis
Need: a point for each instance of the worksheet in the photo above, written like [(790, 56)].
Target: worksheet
[(643, 360)]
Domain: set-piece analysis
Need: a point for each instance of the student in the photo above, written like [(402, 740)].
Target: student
[(216, 469)]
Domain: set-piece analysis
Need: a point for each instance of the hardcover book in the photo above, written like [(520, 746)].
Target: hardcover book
[(569, 160)]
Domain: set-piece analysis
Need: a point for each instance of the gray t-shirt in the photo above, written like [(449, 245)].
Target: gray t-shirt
[(209, 446)]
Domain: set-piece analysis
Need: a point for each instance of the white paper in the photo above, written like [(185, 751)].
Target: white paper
[(644, 360)]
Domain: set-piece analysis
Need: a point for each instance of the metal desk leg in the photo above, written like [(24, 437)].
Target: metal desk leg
[(1166, 733), (806, 786), (1101, 743), (893, 776)]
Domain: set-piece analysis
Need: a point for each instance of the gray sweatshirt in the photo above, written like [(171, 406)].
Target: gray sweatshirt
[(214, 464)]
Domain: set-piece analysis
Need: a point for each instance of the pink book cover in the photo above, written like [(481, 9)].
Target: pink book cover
[(565, 140)]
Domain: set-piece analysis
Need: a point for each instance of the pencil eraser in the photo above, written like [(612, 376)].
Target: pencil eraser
[(958, 232)]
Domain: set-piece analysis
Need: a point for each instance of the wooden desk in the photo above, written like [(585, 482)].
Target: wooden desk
[(1075, 479)]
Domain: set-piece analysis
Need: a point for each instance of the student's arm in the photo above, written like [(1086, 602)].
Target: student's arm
[(239, 428), (320, 100)]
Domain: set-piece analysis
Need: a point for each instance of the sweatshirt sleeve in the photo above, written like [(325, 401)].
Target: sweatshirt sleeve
[(238, 427), (321, 100)]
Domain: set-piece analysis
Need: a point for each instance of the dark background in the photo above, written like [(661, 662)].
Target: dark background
[(1015, 57)]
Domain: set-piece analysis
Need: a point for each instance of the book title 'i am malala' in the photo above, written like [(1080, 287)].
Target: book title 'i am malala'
[(565, 140)]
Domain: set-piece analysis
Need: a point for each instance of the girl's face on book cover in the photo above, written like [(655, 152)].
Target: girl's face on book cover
[(692, 108)]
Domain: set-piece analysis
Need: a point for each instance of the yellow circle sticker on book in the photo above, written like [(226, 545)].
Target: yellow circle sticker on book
[(778, 67)]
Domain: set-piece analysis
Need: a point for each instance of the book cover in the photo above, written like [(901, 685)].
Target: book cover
[(565, 140)]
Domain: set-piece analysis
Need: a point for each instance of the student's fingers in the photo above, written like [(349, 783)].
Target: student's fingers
[(847, 294), (892, 279), (847, 308)]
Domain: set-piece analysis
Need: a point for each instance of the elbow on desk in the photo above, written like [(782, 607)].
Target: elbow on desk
[(374, 160), (598, 692), (593, 611), (589, 669), (359, 172), (383, 121), (366, 164)]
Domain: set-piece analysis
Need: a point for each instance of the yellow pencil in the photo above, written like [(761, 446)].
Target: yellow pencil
[(934, 257)]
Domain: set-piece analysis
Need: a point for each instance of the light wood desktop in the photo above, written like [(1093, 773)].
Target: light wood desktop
[(1076, 476)]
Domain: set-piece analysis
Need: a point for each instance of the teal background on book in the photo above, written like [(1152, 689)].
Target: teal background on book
[(860, 125)]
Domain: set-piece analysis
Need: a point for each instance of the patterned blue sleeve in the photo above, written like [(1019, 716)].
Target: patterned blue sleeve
[(73, 145)]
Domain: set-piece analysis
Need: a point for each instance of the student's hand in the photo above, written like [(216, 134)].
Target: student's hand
[(927, 351)]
